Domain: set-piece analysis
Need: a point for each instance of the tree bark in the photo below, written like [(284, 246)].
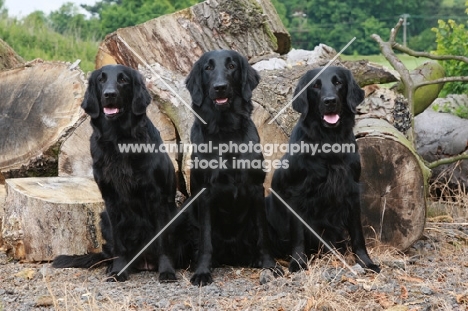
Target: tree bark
[(45, 217)]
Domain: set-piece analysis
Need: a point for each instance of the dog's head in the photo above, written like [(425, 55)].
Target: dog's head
[(115, 90), (220, 76), (331, 96)]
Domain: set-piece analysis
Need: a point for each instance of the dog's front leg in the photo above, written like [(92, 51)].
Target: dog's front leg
[(358, 243), (299, 257), (202, 275), (165, 266), (264, 242), (115, 270)]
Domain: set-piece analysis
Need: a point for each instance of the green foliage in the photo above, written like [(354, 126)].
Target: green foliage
[(452, 39), (68, 20), (125, 13), (460, 111), (32, 37), (336, 22)]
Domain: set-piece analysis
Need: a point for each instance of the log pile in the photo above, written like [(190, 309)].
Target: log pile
[(165, 60)]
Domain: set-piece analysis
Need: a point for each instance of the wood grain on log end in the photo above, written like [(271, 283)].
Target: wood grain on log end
[(394, 185)]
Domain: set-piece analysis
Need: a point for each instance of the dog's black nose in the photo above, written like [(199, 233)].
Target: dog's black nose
[(329, 101), (110, 94), (220, 87)]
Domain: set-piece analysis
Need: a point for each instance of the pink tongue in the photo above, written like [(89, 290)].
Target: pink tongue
[(221, 101), (331, 118), (111, 110)]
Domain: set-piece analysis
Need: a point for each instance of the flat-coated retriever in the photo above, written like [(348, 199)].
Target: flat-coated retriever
[(138, 188), (323, 188), (229, 216)]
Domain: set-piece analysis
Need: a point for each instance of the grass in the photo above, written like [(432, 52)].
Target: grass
[(409, 61)]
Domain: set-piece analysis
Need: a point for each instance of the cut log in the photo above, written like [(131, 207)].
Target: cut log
[(39, 103), (8, 57), (241, 25), (394, 185), (45, 217), (439, 136), (2, 208)]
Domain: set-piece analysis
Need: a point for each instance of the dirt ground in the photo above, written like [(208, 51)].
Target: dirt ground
[(431, 275)]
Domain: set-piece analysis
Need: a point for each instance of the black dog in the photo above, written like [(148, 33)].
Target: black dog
[(323, 188), (138, 188), (229, 216)]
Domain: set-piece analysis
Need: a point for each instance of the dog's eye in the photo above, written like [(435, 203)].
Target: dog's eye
[(122, 80), (231, 66), (316, 85), (208, 67), (337, 82)]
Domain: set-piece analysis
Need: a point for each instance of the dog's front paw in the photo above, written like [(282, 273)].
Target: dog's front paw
[(115, 277), (167, 276), (373, 267), (201, 278), (298, 263)]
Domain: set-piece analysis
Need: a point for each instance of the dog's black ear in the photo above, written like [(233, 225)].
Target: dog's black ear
[(250, 79), (193, 82), (355, 94), (92, 98), (301, 102), (141, 95)]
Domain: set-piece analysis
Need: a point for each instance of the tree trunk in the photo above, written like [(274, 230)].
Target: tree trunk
[(394, 184), (40, 103), (45, 217)]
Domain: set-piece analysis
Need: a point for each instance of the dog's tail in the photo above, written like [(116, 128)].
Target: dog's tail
[(80, 261)]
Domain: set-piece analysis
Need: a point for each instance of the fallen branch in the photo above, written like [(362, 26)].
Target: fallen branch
[(409, 86), (448, 160), (442, 80), (411, 52)]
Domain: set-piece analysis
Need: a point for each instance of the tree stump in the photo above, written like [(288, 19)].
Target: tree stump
[(45, 217), (394, 185)]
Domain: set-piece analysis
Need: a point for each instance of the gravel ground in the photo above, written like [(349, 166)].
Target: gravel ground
[(431, 275)]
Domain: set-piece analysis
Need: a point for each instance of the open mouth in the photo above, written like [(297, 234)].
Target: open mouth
[(111, 111), (221, 101), (331, 119)]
